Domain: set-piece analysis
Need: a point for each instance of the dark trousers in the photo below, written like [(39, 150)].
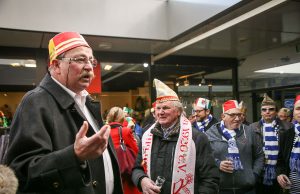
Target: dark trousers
[(238, 191), (265, 189)]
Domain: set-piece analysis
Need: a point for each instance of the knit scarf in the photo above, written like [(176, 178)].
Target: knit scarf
[(183, 175), (295, 155), (271, 151), (233, 151), (202, 124)]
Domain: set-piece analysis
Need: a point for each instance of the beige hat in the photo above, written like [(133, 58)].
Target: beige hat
[(267, 101), (163, 92)]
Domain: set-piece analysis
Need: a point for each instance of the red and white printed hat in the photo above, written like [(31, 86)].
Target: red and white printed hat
[(230, 104), (63, 42), (202, 103)]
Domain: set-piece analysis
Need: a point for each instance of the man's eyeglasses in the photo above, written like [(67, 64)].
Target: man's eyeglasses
[(267, 109), (234, 115), (81, 60)]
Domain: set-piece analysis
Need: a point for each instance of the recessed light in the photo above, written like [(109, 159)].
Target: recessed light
[(105, 45)]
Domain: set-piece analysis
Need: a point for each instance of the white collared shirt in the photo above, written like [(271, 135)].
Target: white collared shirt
[(80, 100)]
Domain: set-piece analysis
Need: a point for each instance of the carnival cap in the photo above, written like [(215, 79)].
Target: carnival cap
[(297, 99), (202, 103), (242, 106), (230, 104), (63, 42), (267, 101), (163, 92)]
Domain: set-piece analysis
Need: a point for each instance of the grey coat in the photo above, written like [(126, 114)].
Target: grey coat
[(41, 149), (251, 155)]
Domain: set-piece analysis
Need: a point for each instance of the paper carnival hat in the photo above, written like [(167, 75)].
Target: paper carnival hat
[(163, 92), (63, 42), (127, 110), (242, 106), (202, 103), (230, 104), (267, 101), (297, 99)]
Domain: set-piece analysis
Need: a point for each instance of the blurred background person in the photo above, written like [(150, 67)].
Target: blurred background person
[(243, 108), (115, 118), (288, 165), (284, 114), (202, 119)]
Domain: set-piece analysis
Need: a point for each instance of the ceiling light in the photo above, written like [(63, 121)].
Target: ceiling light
[(30, 65), (200, 84), (15, 64), (177, 84), (202, 81), (293, 68), (186, 82), (145, 65), (105, 45), (107, 67)]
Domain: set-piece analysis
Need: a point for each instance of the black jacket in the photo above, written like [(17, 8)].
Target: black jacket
[(163, 150), (282, 127), (41, 149), (285, 149)]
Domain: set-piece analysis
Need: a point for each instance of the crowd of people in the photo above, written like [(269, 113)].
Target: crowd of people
[(59, 142)]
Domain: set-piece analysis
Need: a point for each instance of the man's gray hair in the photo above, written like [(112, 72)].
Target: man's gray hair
[(178, 105), (8, 180)]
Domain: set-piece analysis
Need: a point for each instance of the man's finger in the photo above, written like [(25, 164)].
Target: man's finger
[(83, 130), (104, 131)]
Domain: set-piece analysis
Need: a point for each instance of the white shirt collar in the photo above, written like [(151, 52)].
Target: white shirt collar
[(79, 98)]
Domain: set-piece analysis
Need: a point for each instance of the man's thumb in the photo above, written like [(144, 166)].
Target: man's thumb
[(83, 129)]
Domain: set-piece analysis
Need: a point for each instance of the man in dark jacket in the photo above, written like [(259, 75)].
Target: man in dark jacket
[(174, 150), (288, 171), (269, 129), (202, 119), (58, 143), (237, 152)]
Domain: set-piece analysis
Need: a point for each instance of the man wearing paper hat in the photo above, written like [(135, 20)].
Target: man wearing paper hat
[(288, 170), (269, 129), (58, 143), (204, 120), (172, 149), (237, 154)]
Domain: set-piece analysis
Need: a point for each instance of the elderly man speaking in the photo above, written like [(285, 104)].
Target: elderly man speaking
[(174, 151)]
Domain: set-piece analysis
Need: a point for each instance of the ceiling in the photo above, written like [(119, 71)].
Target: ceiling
[(213, 57)]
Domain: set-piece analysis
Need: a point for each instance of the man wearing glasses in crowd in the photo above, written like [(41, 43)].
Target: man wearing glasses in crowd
[(269, 129), (201, 118), (237, 152), (58, 143)]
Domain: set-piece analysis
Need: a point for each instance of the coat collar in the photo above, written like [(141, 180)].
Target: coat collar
[(57, 92)]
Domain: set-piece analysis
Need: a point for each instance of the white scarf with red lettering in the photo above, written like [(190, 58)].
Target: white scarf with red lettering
[(184, 158)]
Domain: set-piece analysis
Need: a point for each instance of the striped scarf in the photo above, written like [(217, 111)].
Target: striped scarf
[(233, 151), (271, 151), (295, 155), (203, 124)]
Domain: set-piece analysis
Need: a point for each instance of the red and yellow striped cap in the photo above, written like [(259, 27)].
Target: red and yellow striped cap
[(63, 42)]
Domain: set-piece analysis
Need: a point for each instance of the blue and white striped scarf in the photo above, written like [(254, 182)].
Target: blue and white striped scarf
[(233, 151), (203, 124), (270, 148), (295, 155)]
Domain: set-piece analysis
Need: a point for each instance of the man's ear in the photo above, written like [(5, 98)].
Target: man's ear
[(222, 116)]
